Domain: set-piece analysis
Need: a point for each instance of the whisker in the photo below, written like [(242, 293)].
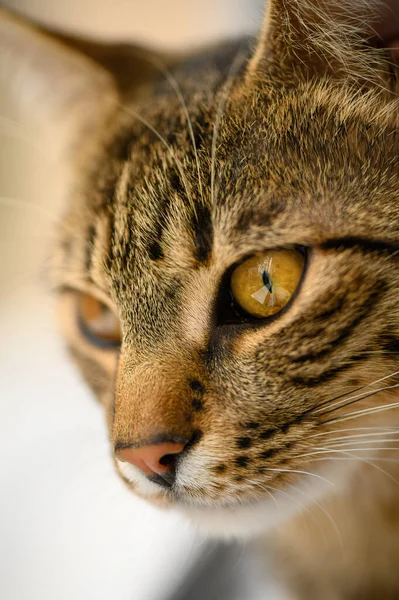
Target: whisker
[(364, 411), (299, 472), (335, 431), (266, 488), (375, 458), (358, 389), (323, 510), (328, 450), (169, 148), (175, 86), (292, 499), (363, 460), (361, 413), (355, 440), (353, 399)]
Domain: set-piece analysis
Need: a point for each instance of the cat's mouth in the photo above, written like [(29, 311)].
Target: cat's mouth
[(220, 515), (209, 505)]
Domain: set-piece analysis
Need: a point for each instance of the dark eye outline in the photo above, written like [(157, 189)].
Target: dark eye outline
[(229, 313), (92, 337)]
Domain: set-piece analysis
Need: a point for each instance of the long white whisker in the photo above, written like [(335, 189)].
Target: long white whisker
[(266, 488), (367, 462), (353, 390), (294, 500), (299, 472), (366, 411), (327, 450), (363, 435), (324, 511), (335, 431), (346, 401)]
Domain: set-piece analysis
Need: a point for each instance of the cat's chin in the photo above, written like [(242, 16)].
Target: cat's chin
[(236, 518), (239, 522)]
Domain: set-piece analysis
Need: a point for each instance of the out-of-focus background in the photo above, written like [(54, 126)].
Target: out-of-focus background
[(69, 530)]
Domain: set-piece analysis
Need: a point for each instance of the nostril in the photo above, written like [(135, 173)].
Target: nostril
[(157, 461), (169, 460)]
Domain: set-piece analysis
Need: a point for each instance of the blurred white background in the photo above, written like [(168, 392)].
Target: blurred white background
[(69, 530)]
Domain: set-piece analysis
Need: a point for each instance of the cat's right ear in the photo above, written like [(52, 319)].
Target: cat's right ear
[(55, 91), (63, 88), (338, 37)]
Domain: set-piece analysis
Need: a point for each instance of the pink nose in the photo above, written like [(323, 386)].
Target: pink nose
[(152, 460)]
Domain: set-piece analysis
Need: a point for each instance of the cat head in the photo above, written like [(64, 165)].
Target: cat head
[(227, 265)]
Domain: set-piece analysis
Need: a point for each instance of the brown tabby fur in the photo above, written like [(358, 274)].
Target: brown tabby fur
[(293, 142)]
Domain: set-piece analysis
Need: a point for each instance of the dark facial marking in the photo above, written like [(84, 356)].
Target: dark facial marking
[(361, 243), (242, 461), (201, 224), (267, 434), (342, 335), (176, 183), (390, 344), (220, 469), (196, 386), (252, 425), (330, 374), (244, 442), (268, 453), (197, 404), (91, 234), (155, 251)]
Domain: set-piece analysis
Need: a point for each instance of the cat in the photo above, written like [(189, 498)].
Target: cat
[(227, 276)]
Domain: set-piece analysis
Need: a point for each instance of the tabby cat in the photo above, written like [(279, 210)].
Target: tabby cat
[(227, 276)]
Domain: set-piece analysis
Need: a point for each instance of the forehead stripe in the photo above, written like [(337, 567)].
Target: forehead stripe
[(202, 229)]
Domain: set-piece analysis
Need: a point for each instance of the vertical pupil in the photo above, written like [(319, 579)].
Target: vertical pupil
[(267, 281)]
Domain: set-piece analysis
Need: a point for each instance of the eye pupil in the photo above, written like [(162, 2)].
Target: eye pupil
[(263, 284), (267, 281)]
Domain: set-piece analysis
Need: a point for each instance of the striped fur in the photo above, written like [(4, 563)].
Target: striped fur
[(292, 140)]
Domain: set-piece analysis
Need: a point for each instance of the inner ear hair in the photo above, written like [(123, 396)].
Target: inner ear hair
[(335, 36)]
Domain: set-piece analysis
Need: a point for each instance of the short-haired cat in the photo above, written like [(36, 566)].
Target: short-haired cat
[(227, 275)]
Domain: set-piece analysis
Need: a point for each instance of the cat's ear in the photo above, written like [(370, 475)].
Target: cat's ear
[(67, 89), (335, 36), (56, 92)]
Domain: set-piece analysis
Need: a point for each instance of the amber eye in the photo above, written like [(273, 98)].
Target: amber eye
[(98, 322), (263, 284)]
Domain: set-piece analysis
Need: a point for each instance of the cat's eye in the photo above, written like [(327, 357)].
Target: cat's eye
[(263, 284), (98, 322)]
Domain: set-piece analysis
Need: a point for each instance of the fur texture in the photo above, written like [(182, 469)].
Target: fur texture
[(292, 140)]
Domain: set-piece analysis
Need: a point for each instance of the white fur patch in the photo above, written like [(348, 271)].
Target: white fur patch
[(133, 475)]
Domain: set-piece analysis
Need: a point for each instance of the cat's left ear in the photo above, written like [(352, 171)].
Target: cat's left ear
[(64, 89), (334, 36)]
